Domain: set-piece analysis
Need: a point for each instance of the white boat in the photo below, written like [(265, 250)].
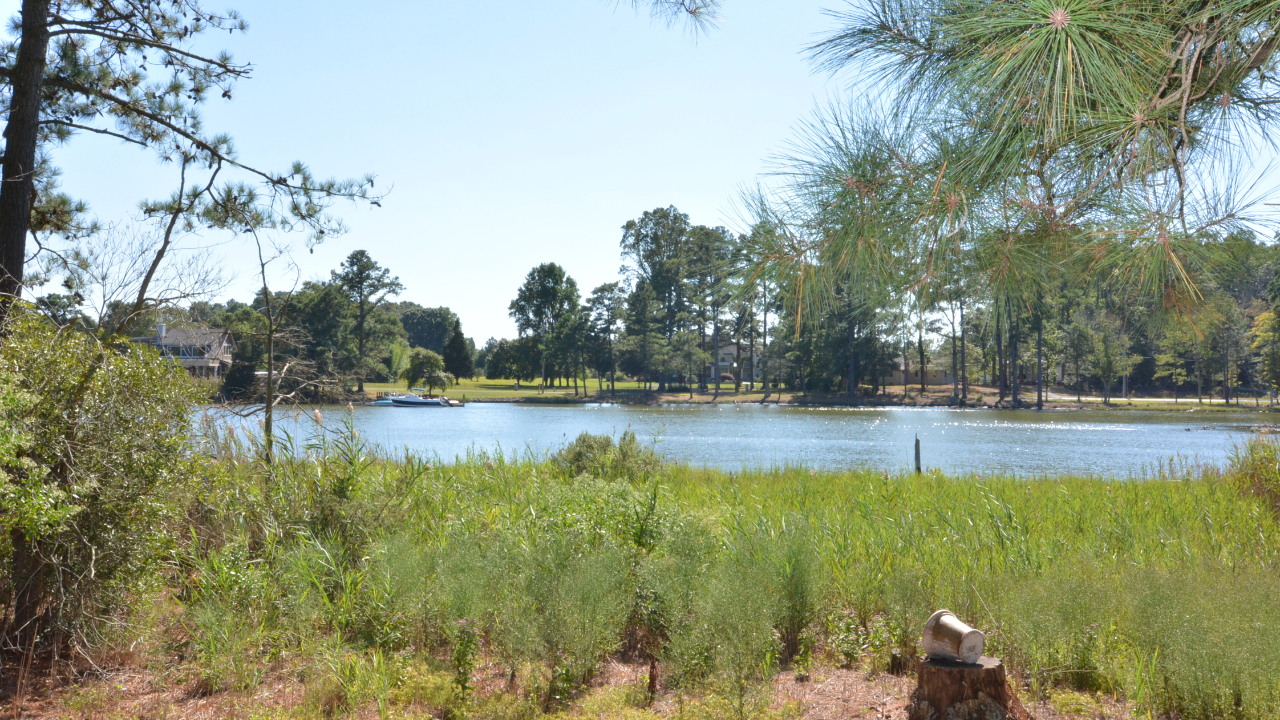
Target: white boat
[(416, 401)]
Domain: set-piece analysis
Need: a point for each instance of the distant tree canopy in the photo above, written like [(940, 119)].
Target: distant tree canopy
[(368, 286), (675, 271), (423, 363), (426, 327), (334, 333), (459, 354), (518, 359), (547, 299), (691, 289)]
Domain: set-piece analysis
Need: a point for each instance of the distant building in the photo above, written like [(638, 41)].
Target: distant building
[(931, 377), (203, 352), (752, 371)]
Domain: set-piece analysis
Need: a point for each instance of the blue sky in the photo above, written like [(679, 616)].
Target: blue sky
[(512, 132)]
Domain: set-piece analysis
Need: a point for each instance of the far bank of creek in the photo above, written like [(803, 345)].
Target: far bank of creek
[(1029, 443)]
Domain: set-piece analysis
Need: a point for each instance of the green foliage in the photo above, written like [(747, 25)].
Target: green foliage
[(426, 327), (547, 294), (389, 579), (368, 286), (1111, 357), (1266, 343), (94, 451), (548, 301), (457, 353), (514, 359), (598, 456), (422, 363), (437, 379), (1255, 468)]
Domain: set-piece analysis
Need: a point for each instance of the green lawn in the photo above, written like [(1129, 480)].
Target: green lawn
[(487, 389)]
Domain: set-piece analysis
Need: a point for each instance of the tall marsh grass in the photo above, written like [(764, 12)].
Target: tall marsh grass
[(1158, 590)]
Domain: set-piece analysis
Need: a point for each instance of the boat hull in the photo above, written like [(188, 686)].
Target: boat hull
[(418, 402)]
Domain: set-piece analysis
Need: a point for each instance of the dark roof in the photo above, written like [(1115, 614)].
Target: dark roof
[(188, 337)]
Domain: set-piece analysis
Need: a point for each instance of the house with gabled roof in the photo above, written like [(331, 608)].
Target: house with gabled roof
[(204, 352)]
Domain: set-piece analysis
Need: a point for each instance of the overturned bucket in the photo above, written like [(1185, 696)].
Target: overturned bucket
[(947, 638)]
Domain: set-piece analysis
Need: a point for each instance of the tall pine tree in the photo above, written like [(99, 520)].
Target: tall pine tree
[(457, 355)]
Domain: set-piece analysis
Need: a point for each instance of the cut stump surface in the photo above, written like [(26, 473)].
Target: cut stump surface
[(959, 691)]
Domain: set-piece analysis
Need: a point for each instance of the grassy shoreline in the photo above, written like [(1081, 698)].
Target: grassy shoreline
[(483, 390), (502, 588)]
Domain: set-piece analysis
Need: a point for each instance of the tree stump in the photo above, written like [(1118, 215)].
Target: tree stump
[(951, 690)]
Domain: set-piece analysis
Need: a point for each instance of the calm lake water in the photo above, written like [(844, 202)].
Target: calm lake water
[(1095, 442)]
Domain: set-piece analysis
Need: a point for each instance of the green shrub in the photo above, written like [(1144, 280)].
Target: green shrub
[(1255, 468), (563, 610), (96, 457), (598, 456)]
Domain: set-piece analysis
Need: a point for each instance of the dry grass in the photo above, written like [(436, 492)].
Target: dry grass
[(830, 693)]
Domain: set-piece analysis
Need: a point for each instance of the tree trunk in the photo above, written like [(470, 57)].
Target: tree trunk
[(268, 428), (702, 345), (1226, 377), (737, 363), (906, 366), (764, 348), (715, 350), (1013, 356), (906, 369), (955, 367), (993, 377), (853, 359), (29, 573), (964, 692), (964, 360), (1039, 363), (1000, 360), (21, 134), (920, 348)]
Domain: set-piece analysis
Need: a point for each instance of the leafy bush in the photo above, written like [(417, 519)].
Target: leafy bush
[(1255, 468), (96, 452), (598, 456)]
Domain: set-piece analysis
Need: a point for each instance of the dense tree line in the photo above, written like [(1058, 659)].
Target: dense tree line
[(657, 324), (334, 334), (689, 289), (1077, 332)]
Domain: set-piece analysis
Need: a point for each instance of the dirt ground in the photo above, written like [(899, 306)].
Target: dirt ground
[(828, 694)]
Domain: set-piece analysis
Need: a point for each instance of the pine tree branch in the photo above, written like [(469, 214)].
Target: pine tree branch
[(100, 131)]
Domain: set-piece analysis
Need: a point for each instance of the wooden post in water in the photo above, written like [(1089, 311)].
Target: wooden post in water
[(917, 454)]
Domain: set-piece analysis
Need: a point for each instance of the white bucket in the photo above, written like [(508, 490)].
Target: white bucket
[(946, 638)]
